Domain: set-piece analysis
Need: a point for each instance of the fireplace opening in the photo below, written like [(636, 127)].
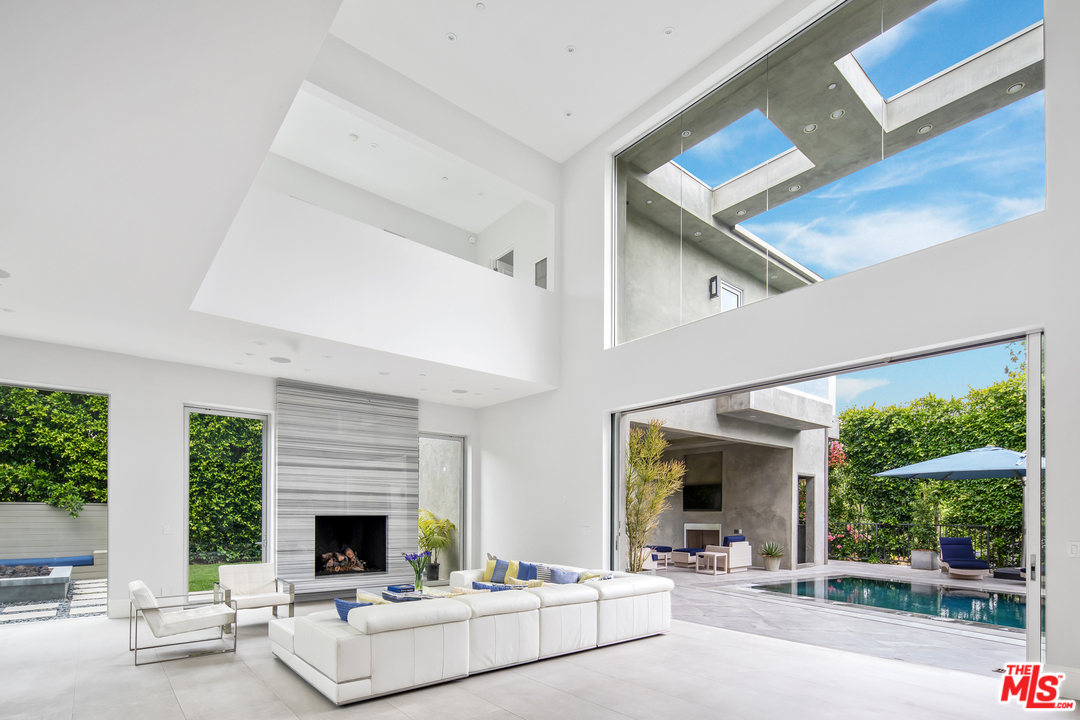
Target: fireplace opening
[(350, 544)]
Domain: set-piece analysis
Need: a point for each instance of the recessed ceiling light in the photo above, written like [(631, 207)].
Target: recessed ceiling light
[(8, 310), (837, 114), (307, 369), (384, 373), (354, 137), (568, 113), (570, 48), (480, 7), (459, 392), (1013, 89), (4, 274), (795, 188), (697, 233), (328, 356), (445, 178), (648, 202), (925, 129), (239, 363), (686, 133), (772, 277), (259, 342), (423, 389), (832, 86), (810, 128), (496, 388), (481, 193), (249, 354), (740, 213), (477, 393), (451, 37), (669, 30), (375, 146), (280, 360), (472, 238)]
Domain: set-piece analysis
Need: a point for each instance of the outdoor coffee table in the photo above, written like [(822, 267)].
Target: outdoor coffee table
[(712, 561)]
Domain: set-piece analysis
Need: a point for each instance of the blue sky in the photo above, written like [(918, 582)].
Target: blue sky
[(946, 376), (984, 173)]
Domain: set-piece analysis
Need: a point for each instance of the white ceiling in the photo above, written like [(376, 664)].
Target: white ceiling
[(509, 66), (316, 133)]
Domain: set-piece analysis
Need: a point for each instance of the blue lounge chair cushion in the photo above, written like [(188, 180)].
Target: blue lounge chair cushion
[(661, 548), (728, 539), (73, 561), (692, 551), (967, 565), (959, 554)]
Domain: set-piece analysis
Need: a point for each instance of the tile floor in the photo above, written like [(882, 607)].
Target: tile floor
[(82, 669)]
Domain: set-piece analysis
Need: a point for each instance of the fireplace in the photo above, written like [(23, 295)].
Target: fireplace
[(350, 544)]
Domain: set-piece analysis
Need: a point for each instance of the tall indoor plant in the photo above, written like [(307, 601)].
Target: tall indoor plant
[(434, 535), (650, 481)]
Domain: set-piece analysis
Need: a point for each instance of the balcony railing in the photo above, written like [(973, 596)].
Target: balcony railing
[(891, 543)]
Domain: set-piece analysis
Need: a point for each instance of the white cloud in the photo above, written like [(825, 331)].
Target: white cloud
[(848, 388), (1012, 208), (884, 46)]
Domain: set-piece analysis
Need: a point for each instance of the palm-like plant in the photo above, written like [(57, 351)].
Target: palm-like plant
[(434, 534), (649, 483)]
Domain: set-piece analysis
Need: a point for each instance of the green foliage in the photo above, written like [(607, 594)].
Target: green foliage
[(649, 483), (202, 577), (434, 534), (772, 549), (926, 516), (877, 439), (225, 468), (53, 448)]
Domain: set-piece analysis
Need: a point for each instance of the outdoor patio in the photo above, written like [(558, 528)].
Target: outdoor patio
[(727, 601)]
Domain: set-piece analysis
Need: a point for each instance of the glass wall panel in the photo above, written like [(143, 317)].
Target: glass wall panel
[(882, 129)]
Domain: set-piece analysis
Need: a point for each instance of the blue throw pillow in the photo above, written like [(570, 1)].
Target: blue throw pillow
[(499, 574), (563, 577), (344, 606), (493, 587), (526, 571)]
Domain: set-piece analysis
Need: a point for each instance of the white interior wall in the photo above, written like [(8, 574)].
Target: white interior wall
[(549, 453), (527, 230)]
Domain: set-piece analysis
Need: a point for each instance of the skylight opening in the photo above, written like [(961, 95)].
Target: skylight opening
[(940, 36), (743, 145)]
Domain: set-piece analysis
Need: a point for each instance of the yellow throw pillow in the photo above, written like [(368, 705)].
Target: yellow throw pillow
[(586, 576), (512, 571), (525, 583), (489, 570)]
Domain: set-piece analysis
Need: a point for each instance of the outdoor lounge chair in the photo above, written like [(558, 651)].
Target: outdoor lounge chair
[(959, 556)]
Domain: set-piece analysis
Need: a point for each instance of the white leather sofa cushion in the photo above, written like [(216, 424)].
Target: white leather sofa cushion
[(632, 616), (375, 619), (569, 594), (336, 649), (281, 632), (567, 628), (244, 602), (419, 655), (628, 585), (173, 622), (499, 603), (250, 579)]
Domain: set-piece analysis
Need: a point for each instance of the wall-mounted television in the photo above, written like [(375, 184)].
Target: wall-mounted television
[(701, 497)]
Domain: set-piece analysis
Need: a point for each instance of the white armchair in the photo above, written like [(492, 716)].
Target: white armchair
[(739, 555), (176, 618), (254, 585)]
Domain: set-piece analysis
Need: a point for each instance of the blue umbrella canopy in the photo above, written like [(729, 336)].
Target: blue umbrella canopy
[(987, 462)]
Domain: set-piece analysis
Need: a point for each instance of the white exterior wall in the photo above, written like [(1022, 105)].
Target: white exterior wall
[(550, 454)]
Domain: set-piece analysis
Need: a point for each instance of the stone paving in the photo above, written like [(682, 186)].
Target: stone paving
[(85, 598), (725, 601)]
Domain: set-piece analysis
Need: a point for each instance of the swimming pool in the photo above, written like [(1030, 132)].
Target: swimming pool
[(942, 601)]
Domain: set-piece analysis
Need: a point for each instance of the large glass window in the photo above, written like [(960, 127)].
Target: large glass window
[(882, 129)]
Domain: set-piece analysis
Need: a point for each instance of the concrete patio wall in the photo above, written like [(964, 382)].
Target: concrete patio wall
[(33, 530)]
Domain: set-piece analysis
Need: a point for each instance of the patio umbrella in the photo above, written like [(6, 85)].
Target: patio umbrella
[(986, 462)]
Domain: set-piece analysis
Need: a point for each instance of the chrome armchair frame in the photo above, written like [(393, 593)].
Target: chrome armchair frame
[(133, 630), (279, 586)]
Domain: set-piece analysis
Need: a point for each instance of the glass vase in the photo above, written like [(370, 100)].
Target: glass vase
[(418, 583)]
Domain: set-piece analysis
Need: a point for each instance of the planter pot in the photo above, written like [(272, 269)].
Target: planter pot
[(772, 563), (431, 572), (924, 560)]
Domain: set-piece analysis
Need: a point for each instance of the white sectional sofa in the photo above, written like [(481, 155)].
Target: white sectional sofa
[(384, 649)]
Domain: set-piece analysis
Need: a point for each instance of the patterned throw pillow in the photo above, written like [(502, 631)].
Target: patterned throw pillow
[(563, 577), (518, 582), (595, 577), (344, 606), (543, 573), (494, 587)]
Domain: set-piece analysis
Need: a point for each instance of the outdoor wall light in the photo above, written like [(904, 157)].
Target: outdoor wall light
[(686, 133), (925, 129), (810, 128), (795, 188), (697, 233), (740, 213), (837, 114), (832, 86), (714, 287), (1013, 89)]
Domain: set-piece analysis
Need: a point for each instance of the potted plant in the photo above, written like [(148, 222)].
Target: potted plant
[(650, 481), (925, 521), (434, 535), (771, 553)]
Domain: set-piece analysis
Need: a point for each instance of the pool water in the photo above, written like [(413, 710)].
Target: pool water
[(967, 604)]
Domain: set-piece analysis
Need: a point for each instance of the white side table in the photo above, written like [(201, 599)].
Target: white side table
[(711, 563)]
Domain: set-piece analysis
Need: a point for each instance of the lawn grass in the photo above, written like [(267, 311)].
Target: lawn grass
[(202, 577)]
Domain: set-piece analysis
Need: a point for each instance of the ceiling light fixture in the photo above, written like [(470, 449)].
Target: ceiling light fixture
[(480, 7), (925, 129), (250, 354), (459, 392), (307, 369), (480, 193), (281, 360), (669, 30), (375, 146), (259, 342), (740, 213), (384, 373), (697, 234), (328, 356), (648, 202), (354, 137), (423, 375), (451, 37), (772, 277), (570, 48), (445, 178), (832, 86), (810, 128), (496, 388), (568, 113), (1013, 89), (837, 114), (686, 133), (8, 310), (472, 239), (795, 188), (423, 389)]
